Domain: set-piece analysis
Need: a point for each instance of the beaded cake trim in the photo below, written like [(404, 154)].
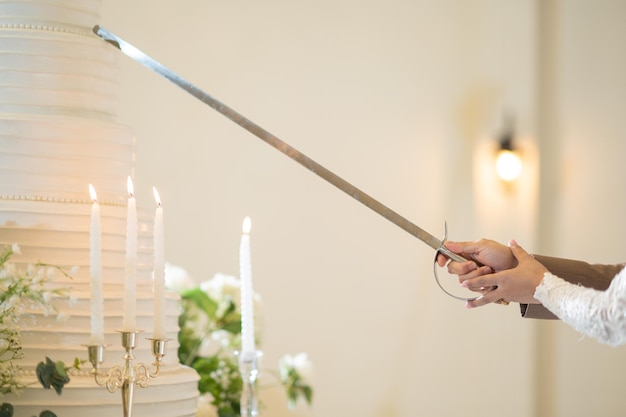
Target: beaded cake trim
[(28, 26), (58, 199)]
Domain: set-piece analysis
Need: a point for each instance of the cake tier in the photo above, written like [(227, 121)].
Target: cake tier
[(58, 157), (57, 233), (52, 63), (65, 339), (173, 394), (43, 71), (69, 15)]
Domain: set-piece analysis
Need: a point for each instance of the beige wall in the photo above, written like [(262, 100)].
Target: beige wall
[(583, 203), (400, 97)]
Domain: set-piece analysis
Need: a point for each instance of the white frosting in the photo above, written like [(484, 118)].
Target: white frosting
[(75, 74), (58, 134), (62, 15)]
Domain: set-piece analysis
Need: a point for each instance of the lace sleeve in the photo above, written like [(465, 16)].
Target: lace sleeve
[(599, 314)]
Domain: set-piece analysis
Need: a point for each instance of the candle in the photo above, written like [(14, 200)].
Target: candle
[(130, 282), (159, 271), (247, 311), (95, 271)]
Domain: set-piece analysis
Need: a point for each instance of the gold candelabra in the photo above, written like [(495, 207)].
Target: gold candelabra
[(129, 375)]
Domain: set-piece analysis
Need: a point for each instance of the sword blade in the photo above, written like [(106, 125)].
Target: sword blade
[(275, 142)]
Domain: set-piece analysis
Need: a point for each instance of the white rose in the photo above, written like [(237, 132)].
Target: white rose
[(304, 367), (211, 345), (177, 279), (222, 285)]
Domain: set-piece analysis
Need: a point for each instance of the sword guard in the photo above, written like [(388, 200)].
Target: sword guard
[(458, 258)]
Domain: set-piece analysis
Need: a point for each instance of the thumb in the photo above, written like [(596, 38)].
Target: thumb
[(461, 247), (519, 253)]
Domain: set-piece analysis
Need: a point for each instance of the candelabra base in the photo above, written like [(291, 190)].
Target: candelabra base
[(130, 375)]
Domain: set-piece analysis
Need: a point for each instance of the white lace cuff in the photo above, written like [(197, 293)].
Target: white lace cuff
[(599, 314)]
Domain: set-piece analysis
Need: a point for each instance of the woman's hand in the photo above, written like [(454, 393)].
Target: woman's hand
[(515, 284)]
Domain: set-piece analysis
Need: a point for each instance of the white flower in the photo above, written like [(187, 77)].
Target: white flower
[(210, 346), (198, 321), (304, 367), (50, 273), (11, 302), (205, 408), (16, 249), (177, 279), (300, 363), (221, 286), (73, 271)]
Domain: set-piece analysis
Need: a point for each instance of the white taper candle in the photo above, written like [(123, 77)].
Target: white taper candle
[(130, 281), (95, 272), (247, 309), (159, 271)]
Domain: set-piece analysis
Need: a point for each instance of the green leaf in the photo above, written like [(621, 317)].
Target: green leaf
[(52, 374), (60, 368), (308, 394), (227, 411), (233, 326), (202, 300), (6, 410)]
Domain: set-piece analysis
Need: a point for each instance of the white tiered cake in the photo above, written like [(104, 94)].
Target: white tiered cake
[(58, 134)]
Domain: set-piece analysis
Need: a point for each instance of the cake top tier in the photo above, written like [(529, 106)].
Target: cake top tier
[(58, 15)]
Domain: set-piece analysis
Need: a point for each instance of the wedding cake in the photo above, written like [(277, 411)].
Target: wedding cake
[(58, 134)]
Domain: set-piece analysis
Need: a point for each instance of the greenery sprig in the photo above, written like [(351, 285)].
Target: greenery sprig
[(20, 288)]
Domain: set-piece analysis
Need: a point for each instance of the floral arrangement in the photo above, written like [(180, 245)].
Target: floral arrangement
[(210, 333), (19, 289)]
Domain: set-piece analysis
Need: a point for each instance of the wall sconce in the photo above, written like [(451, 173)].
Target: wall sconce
[(508, 160)]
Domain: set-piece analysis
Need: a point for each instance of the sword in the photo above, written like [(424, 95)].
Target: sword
[(285, 148)]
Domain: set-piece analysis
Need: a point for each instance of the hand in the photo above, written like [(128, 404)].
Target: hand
[(493, 257), (517, 284)]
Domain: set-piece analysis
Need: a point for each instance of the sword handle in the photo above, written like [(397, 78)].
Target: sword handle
[(457, 258)]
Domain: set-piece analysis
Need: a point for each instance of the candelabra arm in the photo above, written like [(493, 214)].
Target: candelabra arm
[(130, 375), (159, 350)]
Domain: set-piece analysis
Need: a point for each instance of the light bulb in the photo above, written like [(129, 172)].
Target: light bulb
[(508, 165)]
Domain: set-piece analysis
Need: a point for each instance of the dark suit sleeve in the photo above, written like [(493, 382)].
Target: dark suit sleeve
[(588, 275)]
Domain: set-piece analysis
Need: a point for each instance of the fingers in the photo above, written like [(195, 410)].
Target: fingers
[(519, 253), (442, 260), (461, 268), (453, 247), (478, 280), (469, 248), (489, 297)]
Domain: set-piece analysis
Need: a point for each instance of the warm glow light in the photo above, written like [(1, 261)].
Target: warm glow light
[(508, 165), (247, 225), (92, 193), (131, 189), (156, 196)]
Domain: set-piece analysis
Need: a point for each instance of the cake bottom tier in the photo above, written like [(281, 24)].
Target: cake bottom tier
[(173, 393)]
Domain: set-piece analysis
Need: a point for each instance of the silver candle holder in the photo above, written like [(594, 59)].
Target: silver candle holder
[(129, 375), (249, 369)]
